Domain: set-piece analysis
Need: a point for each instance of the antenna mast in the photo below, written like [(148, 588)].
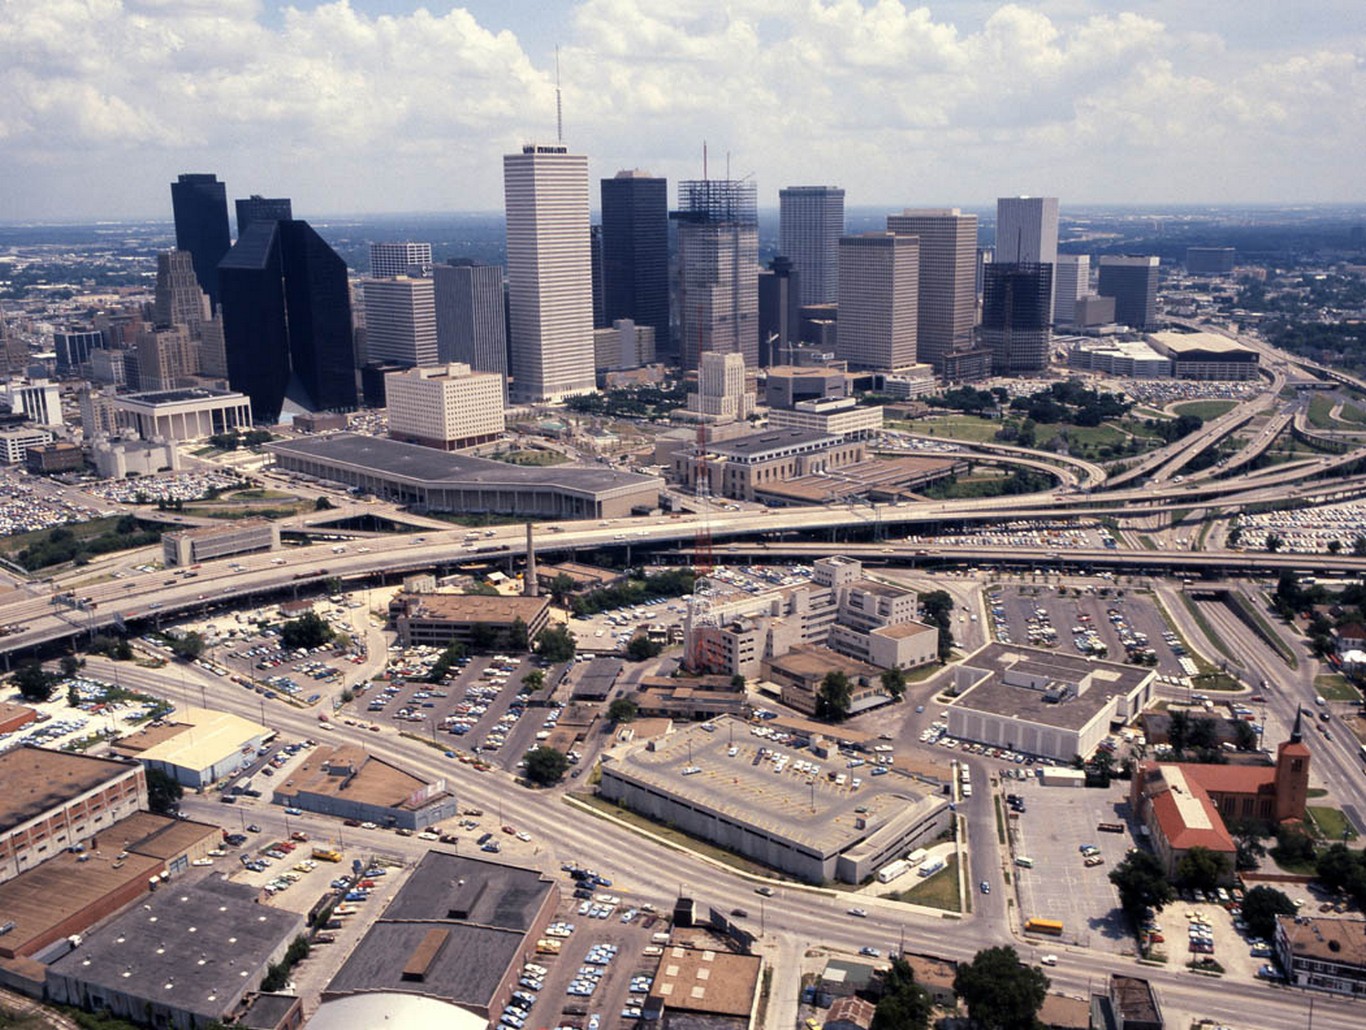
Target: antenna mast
[(559, 109), (704, 160)]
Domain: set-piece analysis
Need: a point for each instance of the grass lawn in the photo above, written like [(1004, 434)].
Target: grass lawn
[(537, 457), (1335, 687), (1352, 413), (954, 427), (284, 512), (260, 495), (937, 891), (1205, 409), (1321, 412), (81, 530), (1330, 822)]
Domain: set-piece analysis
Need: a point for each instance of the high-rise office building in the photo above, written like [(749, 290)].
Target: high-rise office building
[(257, 208), (471, 316), (718, 258), (1071, 282), (625, 345), (213, 353), (166, 357), (1210, 260), (1027, 230), (635, 251), (810, 224), (400, 321), (1016, 299), (947, 306), (1132, 281), (721, 392), (779, 312), (199, 203), (392, 259), (595, 261), (879, 299), (287, 321), (178, 300), (73, 347), (550, 290)]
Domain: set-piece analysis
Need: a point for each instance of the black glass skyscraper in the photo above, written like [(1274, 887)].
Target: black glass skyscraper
[(287, 320), (635, 252), (1017, 302), (257, 208), (200, 206)]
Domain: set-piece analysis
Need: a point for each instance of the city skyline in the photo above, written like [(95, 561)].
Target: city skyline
[(949, 104)]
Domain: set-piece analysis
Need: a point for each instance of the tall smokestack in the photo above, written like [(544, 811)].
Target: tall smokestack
[(530, 588)]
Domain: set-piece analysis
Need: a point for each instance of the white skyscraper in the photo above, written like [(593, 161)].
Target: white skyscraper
[(1027, 233), (879, 298), (810, 224), (390, 259), (1071, 276), (400, 321), (550, 275)]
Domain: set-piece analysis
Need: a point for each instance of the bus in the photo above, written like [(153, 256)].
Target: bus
[(1052, 927)]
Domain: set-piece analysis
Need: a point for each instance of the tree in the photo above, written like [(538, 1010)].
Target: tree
[(894, 682), (1334, 546), (533, 681), (641, 648), (938, 608), (71, 665), (1244, 736), (163, 792), (1142, 883), (1202, 868), (834, 697), (518, 635), (1274, 542), (1292, 845), (442, 666), (307, 631), (323, 503), (1000, 991), (545, 766), (1261, 906), (556, 644), (623, 709), (188, 646), (561, 587), (34, 682), (904, 1004), (1359, 546)]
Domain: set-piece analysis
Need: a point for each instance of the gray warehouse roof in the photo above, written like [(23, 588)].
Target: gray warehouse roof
[(429, 467)]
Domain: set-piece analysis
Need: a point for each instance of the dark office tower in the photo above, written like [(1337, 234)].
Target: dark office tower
[(779, 312), (718, 260), (471, 316), (257, 208), (810, 224), (200, 206), (1132, 281), (1209, 260), (595, 257), (287, 320), (635, 252), (73, 347), (1016, 303), (948, 268)]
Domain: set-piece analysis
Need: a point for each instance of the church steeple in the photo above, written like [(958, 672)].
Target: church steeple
[(1296, 736)]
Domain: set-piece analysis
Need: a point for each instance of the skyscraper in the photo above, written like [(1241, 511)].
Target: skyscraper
[(810, 224), (879, 299), (165, 357), (779, 311), (1016, 298), (549, 271), (718, 257), (635, 251), (178, 300), (1071, 279), (199, 203), (390, 259), (1132, 281), (471, 318), (287, 320), (400, 321), (257, 208), (73, 347), (1027, 230), (721, 391), (947, 307), (595, 261)]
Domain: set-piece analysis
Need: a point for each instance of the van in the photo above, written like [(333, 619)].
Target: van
[(1024, 862), (660, 938)]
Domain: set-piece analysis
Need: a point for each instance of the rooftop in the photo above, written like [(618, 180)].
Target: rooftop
[(204, 738), (704, 980), (1325, 940), (755, 444), (233, 528), (1181, 343), (1133, 998), (429, 467), (37, 780), (811, 660), (187, 396), (808, 810), (193, 947), (477, 608), (350, 771)]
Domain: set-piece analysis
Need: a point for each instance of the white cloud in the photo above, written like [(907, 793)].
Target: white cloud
[(345, 110)]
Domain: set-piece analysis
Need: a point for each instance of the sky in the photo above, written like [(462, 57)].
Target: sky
[(375, 106)]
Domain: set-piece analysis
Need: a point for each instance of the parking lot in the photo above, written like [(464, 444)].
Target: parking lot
[(1098, 622), (1191, 929), (1057, 822)]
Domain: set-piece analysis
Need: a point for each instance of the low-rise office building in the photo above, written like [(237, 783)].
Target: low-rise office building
[(1323, 954), (1206, 356), (1129, 1003), (410, 474), (53, 800), (712, 781), (1041, 703), (349, 783), (1133, 359), (185, 414), (742, 466), (185, 959), (472, 619), (196, 746), (191, 546), (16, 443), (445, 406), (60, 456), (690, 698), (801, 670), (843, 417)]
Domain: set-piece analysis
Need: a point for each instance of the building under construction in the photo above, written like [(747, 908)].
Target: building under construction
[(718, 257)]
